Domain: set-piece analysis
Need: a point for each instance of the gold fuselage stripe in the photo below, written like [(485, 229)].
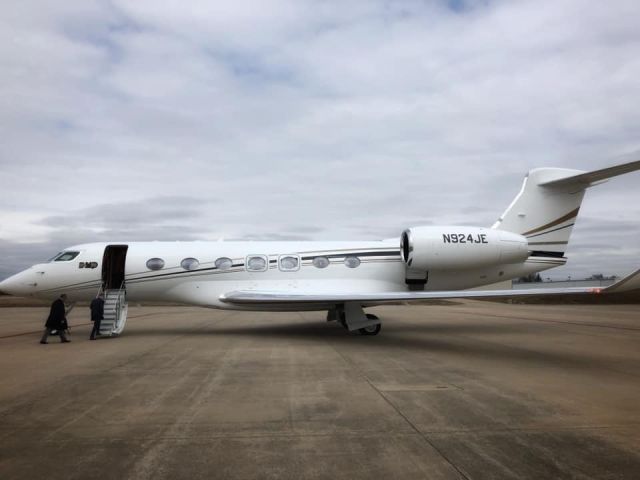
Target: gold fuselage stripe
[(558, 221)]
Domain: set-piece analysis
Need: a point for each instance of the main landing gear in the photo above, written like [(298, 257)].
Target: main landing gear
[(352, 318)]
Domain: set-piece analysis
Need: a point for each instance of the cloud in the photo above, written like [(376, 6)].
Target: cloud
[(142, 213), (16, 256), (293, 119)]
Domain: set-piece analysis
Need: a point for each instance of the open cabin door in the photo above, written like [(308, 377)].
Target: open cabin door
[(115, 296), (113, 265)]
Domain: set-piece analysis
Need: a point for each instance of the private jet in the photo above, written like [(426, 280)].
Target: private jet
[(342, 278)]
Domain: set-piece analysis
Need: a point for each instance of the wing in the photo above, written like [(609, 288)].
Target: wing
[(257, 297), (631, 282)]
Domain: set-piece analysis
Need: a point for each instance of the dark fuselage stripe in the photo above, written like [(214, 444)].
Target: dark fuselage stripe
[(548, 243), (389, 253), (544, 253)]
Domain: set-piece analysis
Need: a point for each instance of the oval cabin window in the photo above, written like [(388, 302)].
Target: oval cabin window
[(352, 262), (321, 262), (190, 263), (155, 263), (289, 263), (257, 263), (223, 263)]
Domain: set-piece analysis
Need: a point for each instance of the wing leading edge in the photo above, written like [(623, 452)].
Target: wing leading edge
[(256, 297)]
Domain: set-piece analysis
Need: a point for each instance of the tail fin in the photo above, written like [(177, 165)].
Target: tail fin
[(547, 206)]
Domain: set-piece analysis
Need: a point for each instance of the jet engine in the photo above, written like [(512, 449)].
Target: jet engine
[(460, 248)]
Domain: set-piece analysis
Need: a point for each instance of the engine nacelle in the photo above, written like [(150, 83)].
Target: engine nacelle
[(444, 248)]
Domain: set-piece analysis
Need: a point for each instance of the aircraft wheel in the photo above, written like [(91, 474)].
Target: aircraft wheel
[(373, 329)]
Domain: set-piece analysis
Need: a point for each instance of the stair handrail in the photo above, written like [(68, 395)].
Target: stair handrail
[(121, 296)]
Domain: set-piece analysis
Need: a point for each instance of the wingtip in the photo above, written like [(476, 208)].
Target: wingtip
[(628, 283)]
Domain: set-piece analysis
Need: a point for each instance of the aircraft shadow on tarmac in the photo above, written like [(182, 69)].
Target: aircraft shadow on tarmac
[(420, 338)]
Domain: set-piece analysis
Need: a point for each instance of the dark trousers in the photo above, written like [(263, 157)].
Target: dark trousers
[(47, 332), (96, 329)]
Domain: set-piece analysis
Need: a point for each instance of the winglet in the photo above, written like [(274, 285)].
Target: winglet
[(589, 178), (630, 282)]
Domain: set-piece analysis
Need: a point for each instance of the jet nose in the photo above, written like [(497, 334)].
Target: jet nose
[(18, 284), (6, 286)]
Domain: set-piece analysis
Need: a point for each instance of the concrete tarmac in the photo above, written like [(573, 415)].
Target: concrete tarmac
[(471, 390)]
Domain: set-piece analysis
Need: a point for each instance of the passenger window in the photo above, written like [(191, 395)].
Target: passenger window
[(190, 263), (257, 263), (320, 262), (66, 256), (352, 262), (155, 264), (289, 263), (224, 263)]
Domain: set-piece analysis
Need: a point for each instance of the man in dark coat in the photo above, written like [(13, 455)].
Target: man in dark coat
[(97, 314), (57, 320)]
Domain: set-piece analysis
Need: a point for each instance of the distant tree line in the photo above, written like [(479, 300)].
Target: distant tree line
[(536, 278), (531, 278), (599, 276)]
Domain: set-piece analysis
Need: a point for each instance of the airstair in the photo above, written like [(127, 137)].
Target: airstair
[(115, 312)]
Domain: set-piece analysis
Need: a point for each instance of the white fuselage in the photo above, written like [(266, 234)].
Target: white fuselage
[(380, 269)]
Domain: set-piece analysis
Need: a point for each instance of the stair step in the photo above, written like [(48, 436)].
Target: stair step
[(115, 312)]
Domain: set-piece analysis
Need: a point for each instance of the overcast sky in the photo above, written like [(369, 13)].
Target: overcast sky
[(123, 120)]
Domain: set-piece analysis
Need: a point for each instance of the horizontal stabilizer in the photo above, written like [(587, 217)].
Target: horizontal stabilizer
[(588, 178)]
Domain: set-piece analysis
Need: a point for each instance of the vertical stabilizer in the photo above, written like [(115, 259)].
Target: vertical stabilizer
[(545, 216), (547, 206)]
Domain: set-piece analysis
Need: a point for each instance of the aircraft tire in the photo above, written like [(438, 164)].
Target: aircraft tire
[(372, 330)]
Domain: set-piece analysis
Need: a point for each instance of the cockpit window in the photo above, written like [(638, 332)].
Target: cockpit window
[(65, 256)]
